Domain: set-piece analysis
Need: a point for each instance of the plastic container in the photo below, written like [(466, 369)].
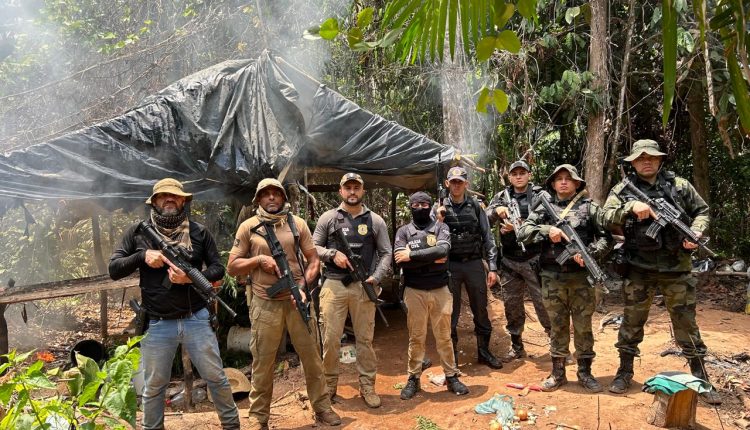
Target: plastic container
[(238, 339)]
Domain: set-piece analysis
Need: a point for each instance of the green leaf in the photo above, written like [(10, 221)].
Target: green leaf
[(485, 48), (571, 14), (485, 98), (669, 40), (509, 41), (354, 36), (329, 29), (89, 392), (6, 390), (500, 100), (527, 9), (739, 87), (503, 12), (364, 17)]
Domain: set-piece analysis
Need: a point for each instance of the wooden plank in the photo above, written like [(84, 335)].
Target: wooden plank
[(72, 287)]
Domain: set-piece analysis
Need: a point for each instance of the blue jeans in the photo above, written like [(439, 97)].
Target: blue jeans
[(157, 353)]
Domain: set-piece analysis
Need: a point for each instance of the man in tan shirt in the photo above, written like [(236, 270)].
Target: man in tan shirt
[(251, 256), (367, 235)]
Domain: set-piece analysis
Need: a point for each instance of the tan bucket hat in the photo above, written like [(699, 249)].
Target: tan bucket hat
[(269, 182), (573, 174), (237, 380), (648, 146), (170, 186)]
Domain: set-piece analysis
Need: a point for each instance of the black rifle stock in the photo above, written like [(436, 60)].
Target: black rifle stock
[(575, 246), (666, 214), (360, 272), (180, 258), (514, 213), (286, 281)]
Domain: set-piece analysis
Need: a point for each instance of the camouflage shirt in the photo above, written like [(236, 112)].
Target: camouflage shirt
[(616, 211)]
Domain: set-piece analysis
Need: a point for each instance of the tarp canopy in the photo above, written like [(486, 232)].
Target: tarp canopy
[(219, 131)]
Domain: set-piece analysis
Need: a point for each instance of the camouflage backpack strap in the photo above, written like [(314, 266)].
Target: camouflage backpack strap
[(572, 203)]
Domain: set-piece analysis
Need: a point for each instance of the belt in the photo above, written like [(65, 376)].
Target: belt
[(172, 317)]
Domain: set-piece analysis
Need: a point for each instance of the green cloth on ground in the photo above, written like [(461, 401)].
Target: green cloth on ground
[(674, 382)]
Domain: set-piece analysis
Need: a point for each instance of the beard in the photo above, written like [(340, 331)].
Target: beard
[(356, 202), (170, 211)]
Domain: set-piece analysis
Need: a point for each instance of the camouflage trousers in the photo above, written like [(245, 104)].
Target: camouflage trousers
[(679, 296), (566, 296), (516, 278)]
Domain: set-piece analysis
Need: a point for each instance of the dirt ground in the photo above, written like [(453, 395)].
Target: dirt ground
[(726, 333)]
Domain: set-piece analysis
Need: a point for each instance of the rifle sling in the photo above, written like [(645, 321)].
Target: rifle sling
[(571, 204)]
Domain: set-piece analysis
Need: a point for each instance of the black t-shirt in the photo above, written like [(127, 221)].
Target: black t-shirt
[(179, 299)]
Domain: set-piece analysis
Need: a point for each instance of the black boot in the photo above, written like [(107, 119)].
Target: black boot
[(585, 378), (484, 356), (456, 386), (557, 378), (412, 387), (698, 369), (624, 375), (517, 351)]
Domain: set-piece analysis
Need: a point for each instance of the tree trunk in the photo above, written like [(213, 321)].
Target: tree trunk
[(697, 111), (596, 149)]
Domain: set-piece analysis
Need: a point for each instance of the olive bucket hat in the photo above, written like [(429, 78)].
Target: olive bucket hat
[(647, 146), (266, 183), (573, 174)]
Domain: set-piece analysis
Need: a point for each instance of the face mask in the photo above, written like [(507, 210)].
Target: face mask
[(421, 216)]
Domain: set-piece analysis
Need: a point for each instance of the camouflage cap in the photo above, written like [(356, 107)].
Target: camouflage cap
[(647, 146), (573, 174), (351, 176), (520, 163), (269, 182), (169, 186), (458, 173)]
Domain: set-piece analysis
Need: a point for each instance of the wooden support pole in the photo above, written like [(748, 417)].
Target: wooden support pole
[(187, 368), (3, 334), (99, 258)]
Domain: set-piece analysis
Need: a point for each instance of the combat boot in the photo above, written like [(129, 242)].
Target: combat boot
[(585, 378), (371, 398), (329, 418), (624, 375), (557, 378), (456, 386), (413, 386), (517, 350), (484, 356), (698, 369)]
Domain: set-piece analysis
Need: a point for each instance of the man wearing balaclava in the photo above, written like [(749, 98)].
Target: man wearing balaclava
[(421, 250), (177, 314)]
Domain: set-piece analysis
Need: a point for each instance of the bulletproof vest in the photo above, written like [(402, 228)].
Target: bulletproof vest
[(466, 235), (510, 247), (635, 231), (581, 221), (429, 276), (361, 239)]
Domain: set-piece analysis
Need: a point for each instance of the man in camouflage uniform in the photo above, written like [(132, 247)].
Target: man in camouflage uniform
[(518, 265), (471, 241), (661, 264), (421, 250), (566, 292)]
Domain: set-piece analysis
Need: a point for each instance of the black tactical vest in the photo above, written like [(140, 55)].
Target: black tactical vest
[(466, 234), (361, 239), (510, 247), (581, 221), (635, 231), (419, 275)]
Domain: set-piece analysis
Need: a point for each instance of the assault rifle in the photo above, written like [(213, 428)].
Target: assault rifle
[(666, 214), (180, 257), (286, 281), (514, 213), (575, 246), (360, 272)]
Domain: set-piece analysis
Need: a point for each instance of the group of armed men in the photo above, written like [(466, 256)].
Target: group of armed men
[(448, 244)]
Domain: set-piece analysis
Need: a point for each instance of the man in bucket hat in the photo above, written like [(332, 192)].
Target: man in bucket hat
[(177, 314), (269, 316), (566, 292), (519, 266), (657, 264)]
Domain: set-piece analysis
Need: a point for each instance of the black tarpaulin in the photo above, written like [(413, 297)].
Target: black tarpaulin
[(219, 131)]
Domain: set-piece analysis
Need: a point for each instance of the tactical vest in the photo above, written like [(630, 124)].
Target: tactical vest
[(361, 239), (635, 231), (510, 247), (429, 276), (581, 221), (466, 234)]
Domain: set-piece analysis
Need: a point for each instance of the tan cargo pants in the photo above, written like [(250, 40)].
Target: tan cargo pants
[(336, 301), (437, 307), (268, 319)]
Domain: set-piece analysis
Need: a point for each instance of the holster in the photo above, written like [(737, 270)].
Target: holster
[(141, 317)]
